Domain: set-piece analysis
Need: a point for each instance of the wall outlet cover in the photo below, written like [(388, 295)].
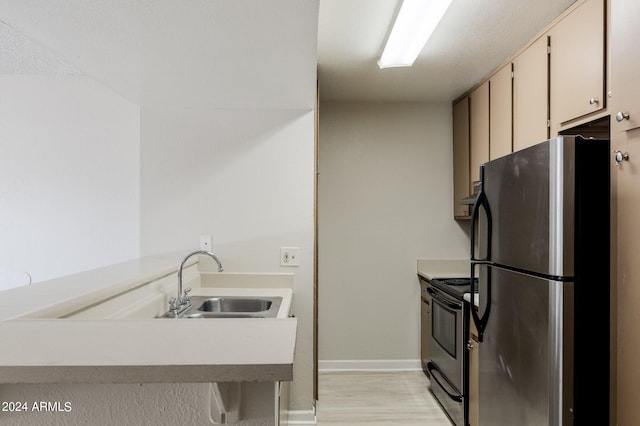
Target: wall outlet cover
[(206, 242), (289, 256)]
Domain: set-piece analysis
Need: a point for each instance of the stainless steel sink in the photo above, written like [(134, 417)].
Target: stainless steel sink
[(221, 315), (225, 304), (230, 307)]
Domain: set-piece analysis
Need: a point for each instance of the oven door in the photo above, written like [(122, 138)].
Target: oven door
[(446, 336)]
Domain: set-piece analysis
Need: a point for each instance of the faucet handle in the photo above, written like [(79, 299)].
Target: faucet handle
[(186, 298), (173, 304)]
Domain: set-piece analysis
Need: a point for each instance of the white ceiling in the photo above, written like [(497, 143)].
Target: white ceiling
[(473, 38), (263, 54), (195, 53)]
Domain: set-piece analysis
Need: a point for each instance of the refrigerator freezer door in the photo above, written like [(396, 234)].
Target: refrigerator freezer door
[(524, 358), (531, 196)]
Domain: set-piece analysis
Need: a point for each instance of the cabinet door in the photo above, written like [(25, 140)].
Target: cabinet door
[(530, 95), (461, 187), (625, 87), (625, 64), (577, 63), (627, 195), (500, 117), (479, 130)]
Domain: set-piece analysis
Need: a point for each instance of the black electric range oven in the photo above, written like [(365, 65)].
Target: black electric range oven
[(447, 344)]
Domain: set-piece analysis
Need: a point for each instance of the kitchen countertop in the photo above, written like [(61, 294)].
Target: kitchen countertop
[(53, 350), (476, 299), (443, 268)]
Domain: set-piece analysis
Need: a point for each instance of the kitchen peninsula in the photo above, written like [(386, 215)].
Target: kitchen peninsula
[(100, 328)]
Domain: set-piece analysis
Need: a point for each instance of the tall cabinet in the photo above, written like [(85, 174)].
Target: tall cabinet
[(625, 138)]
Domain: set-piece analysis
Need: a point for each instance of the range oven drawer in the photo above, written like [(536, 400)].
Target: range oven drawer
[(447, 395)]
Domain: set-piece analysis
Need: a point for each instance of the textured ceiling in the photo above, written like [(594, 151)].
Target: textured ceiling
[(21, 55), (262, 54), (196, 53), (473, 38)]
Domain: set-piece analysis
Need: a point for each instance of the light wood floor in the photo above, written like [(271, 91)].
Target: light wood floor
[(372, 398)]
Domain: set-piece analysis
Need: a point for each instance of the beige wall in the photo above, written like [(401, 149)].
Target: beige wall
[(385, 200)]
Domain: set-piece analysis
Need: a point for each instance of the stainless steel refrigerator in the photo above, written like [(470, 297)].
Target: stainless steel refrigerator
[(540, 250)]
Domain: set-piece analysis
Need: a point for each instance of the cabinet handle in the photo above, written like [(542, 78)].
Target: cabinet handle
[(469, 345), (620, 156), (593, 101), (621, 116)]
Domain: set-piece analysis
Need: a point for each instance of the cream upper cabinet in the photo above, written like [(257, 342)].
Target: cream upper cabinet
[(530, 95), (500, 116), (577, 63), (461, 180), (625, 65), (479, 133)]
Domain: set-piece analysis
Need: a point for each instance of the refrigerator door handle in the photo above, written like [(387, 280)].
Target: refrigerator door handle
[(480, 321), (481, 203)]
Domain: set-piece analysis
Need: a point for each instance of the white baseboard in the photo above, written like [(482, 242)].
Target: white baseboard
[(301, 417), (370, 365)]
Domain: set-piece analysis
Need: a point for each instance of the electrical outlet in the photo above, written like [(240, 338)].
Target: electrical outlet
[(206, 241), (289, 256)]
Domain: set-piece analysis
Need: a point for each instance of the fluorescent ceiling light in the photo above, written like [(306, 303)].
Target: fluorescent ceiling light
[(414, 24)]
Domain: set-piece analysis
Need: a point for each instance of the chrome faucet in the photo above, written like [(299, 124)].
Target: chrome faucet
[(183, 301)]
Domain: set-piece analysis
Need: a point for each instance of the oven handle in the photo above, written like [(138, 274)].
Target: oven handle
[(432, 367), (436, 295)]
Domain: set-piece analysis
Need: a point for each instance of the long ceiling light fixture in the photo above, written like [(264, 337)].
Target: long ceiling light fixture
[(414, 24)]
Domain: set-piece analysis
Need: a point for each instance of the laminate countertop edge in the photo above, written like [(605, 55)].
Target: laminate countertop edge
[(147, 351), (443, 268)]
